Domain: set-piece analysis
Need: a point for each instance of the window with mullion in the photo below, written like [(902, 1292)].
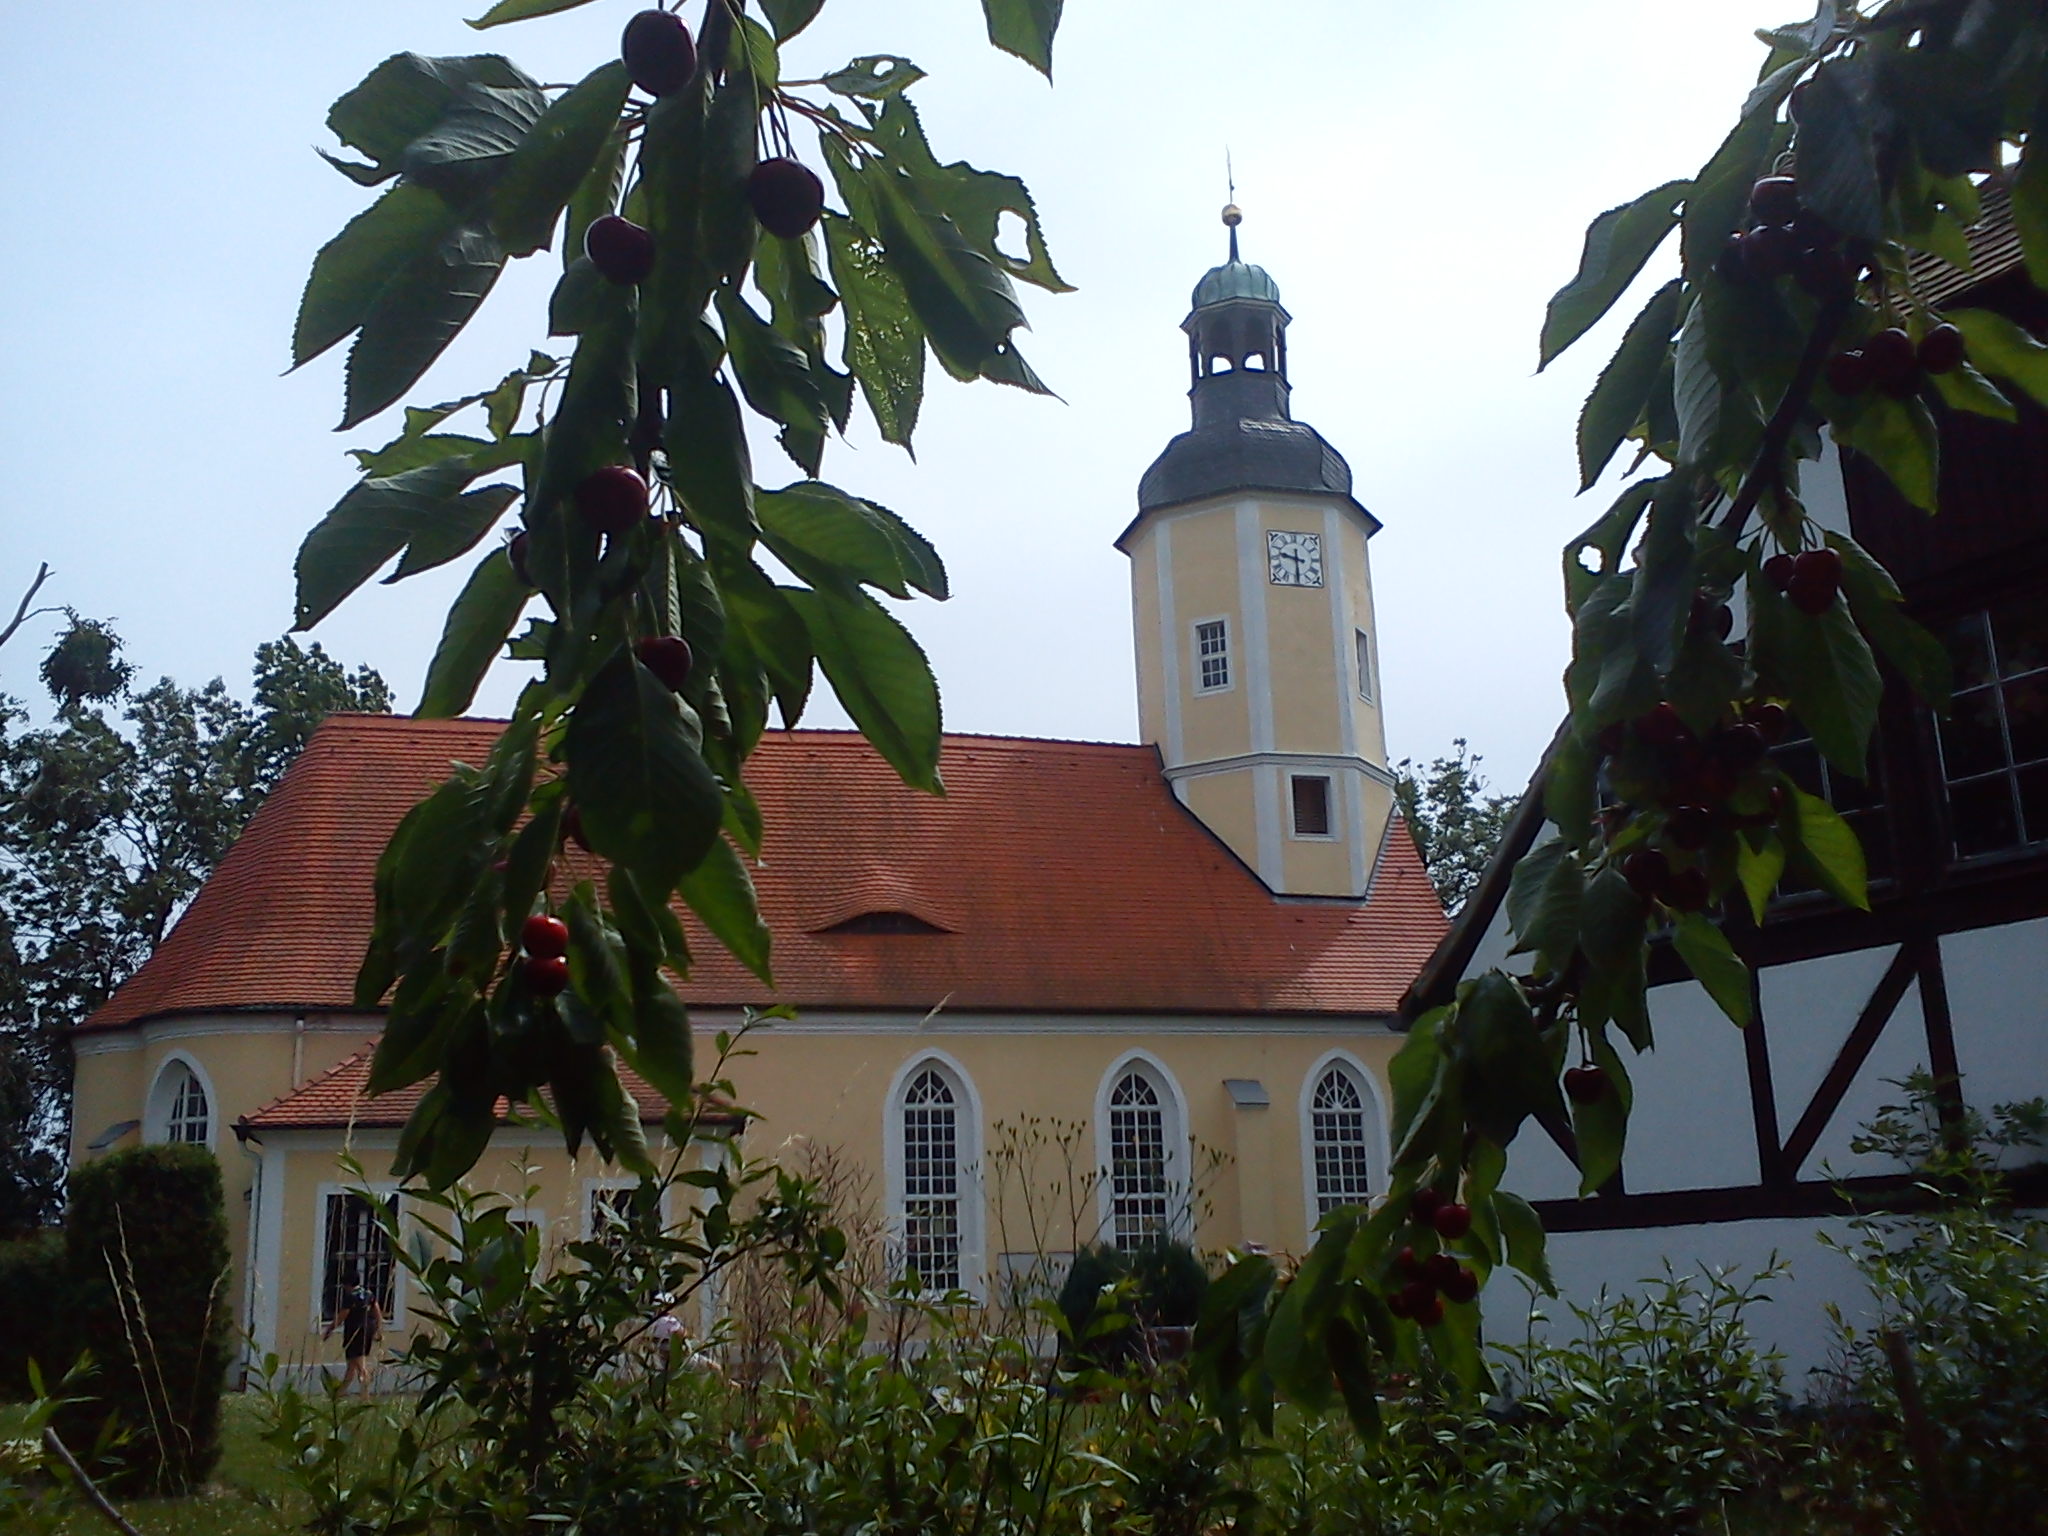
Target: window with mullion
[(1337, 1136), (931, 1182), (356, 1245), (188, 1119), (1994, 743), (1140, 1191)]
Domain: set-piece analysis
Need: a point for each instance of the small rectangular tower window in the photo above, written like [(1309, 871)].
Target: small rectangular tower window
[(1311, 805), (1212, 656), (1364, 665)]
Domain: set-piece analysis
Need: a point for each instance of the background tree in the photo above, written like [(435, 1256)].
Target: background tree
[(1456, 824), (111, 816)]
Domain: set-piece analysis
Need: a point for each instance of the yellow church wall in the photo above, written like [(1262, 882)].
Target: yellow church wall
[(1299, 641), (1145, 627), (1222, 802), (1371, 727), (1318, 866), (833, 1087), (1205, 586), (106, 1088)]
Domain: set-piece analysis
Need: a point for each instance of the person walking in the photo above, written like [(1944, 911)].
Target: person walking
[(361, 1322)]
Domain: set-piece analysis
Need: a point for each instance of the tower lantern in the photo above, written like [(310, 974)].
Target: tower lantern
[(1252, 599)]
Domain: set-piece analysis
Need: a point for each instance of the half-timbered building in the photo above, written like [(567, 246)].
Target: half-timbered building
[(1740, 1144)]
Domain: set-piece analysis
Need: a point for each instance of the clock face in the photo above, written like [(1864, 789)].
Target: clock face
[(1294, 559)]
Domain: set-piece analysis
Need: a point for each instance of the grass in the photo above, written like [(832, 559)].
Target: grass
[(249, 1494)]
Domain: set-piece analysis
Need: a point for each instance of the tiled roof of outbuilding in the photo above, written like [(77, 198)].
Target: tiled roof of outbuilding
[(1063, 877), (335, 1098)]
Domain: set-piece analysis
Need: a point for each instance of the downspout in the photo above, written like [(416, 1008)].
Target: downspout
[(244, 1136), (298, 1050)]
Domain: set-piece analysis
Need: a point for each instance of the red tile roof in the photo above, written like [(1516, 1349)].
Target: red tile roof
[(1064, 875), (335, 1098)]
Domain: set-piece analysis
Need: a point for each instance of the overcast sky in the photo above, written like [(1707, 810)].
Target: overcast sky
[(1417, 178)]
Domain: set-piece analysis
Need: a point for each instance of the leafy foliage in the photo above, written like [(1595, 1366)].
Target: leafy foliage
[(694, 298), (111, 817), (1791, 315), (1966, 1285), (1456, 824), (146, 1280)]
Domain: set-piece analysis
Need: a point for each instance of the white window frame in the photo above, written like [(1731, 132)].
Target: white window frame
[(1329, 835), (967, 1149), (1179, 1145), (379, 1193), (1378, 1154), (1362, 643), (1195, 627), (156, 1118), (586, 1224)]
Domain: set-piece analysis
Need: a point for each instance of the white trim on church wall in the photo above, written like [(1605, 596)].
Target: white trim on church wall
[(1179, 1141), (1169, 649), (1257, 646), (134, 1037), (1338, 582), (1269, 785), (1379, 1155), (266, 1250), (968, 1149), (1296, 760)]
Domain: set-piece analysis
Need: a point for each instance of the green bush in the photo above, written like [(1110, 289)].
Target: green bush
[(1966, 1286), (146, 1260), (1159, 1285), (31, 1300)]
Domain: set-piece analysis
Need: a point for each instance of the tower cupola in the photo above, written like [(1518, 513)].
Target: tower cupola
[(1243, 435)]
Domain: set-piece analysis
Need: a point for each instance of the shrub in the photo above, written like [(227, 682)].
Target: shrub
[(31, 1288), (1159, 1285), (146, 1260), (1965, 1284)]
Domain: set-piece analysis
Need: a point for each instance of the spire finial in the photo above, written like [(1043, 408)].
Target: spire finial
[(1232, 214)]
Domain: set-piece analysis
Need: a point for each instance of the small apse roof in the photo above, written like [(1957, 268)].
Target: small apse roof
[(1053, 877)]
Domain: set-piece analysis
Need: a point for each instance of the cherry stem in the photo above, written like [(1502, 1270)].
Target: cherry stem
[(1767, 470)]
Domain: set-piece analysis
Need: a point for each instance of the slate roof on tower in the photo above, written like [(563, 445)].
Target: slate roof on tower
[(1054, 876)]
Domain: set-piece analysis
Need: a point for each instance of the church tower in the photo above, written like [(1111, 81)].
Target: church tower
[(1258, 676)]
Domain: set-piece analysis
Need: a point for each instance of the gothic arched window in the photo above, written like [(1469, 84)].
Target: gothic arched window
[(1340, 1140), (1140, 1182), (931, 1180)]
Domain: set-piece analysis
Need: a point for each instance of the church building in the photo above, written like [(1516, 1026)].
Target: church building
[(1182, 959)]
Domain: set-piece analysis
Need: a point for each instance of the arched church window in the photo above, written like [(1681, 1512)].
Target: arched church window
[(931, 1180), (1140, 1189), (178, 1109), (1340, 1136)]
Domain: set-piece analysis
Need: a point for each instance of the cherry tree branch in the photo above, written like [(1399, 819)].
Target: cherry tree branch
[(1768, 466)]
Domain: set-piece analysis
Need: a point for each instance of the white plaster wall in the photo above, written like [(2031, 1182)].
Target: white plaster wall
[(1691, 1126), (1998, 1000), (1900, 1050), (1809, 1008), (1793, 1322)]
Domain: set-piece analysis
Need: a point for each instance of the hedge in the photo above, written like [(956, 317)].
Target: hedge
[(32, 1286), (146, 1255)]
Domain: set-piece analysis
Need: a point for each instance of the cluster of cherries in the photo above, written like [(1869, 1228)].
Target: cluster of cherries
[(613, 501), (1810, 580), (1892, 362), (545, 939), (1432, 1279), (1698, 777), (785, 194), (1786, 239)]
